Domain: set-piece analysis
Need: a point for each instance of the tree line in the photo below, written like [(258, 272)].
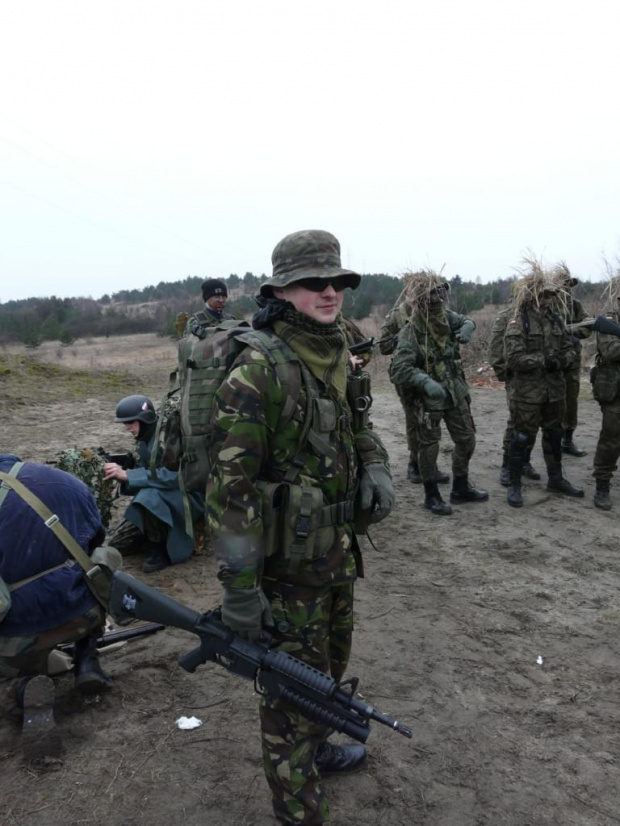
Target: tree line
[(154, 309)]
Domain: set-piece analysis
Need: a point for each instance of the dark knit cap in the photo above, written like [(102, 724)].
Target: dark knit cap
[(213, 286)]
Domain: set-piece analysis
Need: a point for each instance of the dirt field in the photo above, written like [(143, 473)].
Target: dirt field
[(450, 622)]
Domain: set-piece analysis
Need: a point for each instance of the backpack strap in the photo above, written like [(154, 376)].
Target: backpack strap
[(4, 489), (51, 521)]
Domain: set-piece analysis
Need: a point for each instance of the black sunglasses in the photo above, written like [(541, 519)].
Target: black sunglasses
[(317, 285)]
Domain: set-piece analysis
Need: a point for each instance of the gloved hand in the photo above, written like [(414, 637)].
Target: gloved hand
[(376, 491), (552, 363), (246, 611), (463, 336), (433, 390)]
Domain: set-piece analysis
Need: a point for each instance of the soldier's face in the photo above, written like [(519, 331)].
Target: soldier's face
[(217, 302), (322, 307), (133, 428)]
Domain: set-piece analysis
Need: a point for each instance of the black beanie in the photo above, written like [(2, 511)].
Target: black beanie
[(213, 286)]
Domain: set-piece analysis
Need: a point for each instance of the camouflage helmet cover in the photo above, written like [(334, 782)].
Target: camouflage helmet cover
[(310, 253), (136, 409)]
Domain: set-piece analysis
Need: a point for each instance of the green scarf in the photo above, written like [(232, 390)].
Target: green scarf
[(322, 348)]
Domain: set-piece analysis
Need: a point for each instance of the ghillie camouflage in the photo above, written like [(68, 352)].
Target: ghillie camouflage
[(87, 464)]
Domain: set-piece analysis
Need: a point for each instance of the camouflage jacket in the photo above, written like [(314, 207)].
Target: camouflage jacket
[(395, 320), (497, 354), (249, 449), (608, 347), (575, 314), (531, 336), (417, 356), (205, 318)]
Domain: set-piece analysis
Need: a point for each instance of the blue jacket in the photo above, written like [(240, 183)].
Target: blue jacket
[(163, 498), (28, 546)]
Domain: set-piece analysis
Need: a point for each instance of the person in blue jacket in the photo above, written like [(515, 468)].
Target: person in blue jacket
[(49, 601), (155, 519)]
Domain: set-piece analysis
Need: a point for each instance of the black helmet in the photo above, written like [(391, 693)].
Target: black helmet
[(136, 409)]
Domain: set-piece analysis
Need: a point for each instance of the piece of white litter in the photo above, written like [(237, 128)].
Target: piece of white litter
[(539, 660), (186, 723)]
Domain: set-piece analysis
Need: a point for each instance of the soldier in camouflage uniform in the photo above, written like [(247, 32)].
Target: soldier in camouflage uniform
[(606, 390), (497, 360), (282, 511), (573, 313), (427, 365), (394, 322), (538, 350), (215, 297)]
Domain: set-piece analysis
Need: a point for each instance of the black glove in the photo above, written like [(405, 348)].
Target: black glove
[(552, 363)]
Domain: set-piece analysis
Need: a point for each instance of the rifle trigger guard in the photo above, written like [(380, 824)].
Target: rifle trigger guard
[(352, 683)]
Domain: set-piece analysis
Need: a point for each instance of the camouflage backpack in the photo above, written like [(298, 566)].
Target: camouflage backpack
[(205, 357)]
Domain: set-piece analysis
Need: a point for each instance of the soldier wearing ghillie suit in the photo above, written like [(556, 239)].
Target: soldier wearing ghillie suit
[(606, 390), (497, 359), (573, 313), (538, 350), (394, 322), (281, 503), (427, 367)]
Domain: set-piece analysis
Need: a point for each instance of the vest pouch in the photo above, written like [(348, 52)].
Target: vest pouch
[(605, 382), (195, 465), (273, 498)]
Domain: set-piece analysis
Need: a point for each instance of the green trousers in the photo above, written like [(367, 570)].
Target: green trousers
[(460, 426), (608, 445)]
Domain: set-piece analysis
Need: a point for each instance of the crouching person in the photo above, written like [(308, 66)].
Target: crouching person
[(54, 581), (155, 520)]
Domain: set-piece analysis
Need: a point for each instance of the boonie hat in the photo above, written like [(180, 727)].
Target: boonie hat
[(310, 253)]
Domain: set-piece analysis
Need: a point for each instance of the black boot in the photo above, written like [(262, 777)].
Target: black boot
[(462, 491), (527, 469), (157, 561), (442, 478), (569, 447), (413, 473), (40, 737), (433, 500), (514, 496), (333, 759), (601, 497), (552, 451), (90, 678), (504, 472)]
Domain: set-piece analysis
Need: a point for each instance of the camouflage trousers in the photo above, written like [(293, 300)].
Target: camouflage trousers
[(27, 656), (569, 420), (128, 539), (510, 427), (412, 416), (608, 445), (315, 625), (547, 416), (460, 426)]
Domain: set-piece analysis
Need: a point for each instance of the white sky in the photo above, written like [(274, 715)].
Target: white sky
[(147, 140)]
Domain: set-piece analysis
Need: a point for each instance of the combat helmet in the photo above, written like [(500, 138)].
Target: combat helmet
[(310, 253), (136, 409)]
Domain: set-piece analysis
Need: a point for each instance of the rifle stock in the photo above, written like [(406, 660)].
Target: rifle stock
[(600, 324), (275, 673)]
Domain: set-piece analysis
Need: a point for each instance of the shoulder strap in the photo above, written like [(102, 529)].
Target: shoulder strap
[(52, 522), (4, 489)]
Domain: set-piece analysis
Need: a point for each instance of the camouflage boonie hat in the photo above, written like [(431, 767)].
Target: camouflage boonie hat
[(311, 253)]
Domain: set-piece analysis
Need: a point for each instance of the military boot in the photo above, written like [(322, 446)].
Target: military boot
[(463, 491), (601, 497), (569, 447), (504, 472), (558, 484), (157, 561), (333, 759), (514, 495), (90, 678), (528, 470), (40, 737), (433, 500), (413, 473)]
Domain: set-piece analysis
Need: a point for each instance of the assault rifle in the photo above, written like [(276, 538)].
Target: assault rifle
[(119, 636), (600, 324), (364, 346), (125, 460), (275, 673)]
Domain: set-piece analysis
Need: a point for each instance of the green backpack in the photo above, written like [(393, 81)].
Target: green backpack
[(205, 357)]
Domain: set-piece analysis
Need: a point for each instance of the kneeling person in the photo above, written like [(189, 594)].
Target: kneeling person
[(155, 519)]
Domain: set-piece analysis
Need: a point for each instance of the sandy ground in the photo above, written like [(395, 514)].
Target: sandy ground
[(450, 622)]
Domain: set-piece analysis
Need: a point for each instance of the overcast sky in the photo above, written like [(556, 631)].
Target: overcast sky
[(144, 141)]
